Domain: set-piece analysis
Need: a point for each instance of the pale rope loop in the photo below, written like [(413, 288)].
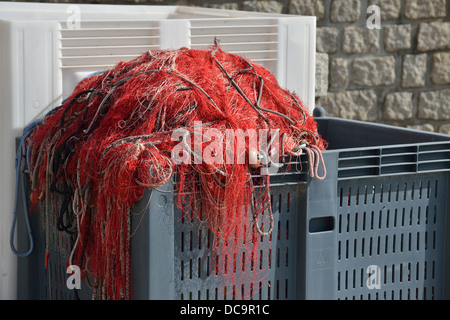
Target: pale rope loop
[(254, 214), (315, 158)]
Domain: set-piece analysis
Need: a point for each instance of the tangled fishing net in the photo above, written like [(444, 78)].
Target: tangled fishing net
[(136, 125)]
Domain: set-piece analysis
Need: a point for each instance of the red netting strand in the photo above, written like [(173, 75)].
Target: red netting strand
[(205, 115)]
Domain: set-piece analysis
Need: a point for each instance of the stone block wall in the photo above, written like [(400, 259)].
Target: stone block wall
[(397, 74)]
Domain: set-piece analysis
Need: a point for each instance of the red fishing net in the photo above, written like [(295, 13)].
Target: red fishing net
[(189, 113)]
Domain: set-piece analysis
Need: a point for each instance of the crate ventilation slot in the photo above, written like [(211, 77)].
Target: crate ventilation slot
[(394, 160)]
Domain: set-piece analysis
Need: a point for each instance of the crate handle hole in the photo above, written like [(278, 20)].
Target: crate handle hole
[(321, 224)]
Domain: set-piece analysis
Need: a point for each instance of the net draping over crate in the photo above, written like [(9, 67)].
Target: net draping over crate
[(167, 113)]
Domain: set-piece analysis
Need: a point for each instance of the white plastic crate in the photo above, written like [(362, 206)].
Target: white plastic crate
[(46, 49)]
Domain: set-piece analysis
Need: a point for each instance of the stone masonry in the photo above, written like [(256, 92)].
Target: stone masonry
[(386, 61), (397, 72)]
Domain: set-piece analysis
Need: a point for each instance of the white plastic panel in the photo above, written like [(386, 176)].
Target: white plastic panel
[(61, 11), (99, 44), (256, 39), (296, 68), (30, 84)]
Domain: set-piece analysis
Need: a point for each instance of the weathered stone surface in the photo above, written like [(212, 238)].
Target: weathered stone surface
[(327, 102), (434, 105), (271, 6), (440, 72), (389, 9), (357, 40), (321, 74), (339, 74), (378, 71), (326, 39), (355, 105), (307, 8), (397, 37), (423, 127), (398, 106), (223, 6), (345, 10), (414, 70), (445, 128), (420, 9), (433, 36)]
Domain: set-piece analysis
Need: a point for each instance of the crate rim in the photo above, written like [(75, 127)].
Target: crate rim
[(445, 138)]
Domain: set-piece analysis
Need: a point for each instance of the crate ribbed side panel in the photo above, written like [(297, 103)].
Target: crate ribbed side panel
[(391, 237), (392, 217), (255, 39), (98, 45), (173, 254), (280, 44)]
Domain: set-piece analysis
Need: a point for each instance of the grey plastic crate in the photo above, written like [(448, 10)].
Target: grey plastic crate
[(375, 228)]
